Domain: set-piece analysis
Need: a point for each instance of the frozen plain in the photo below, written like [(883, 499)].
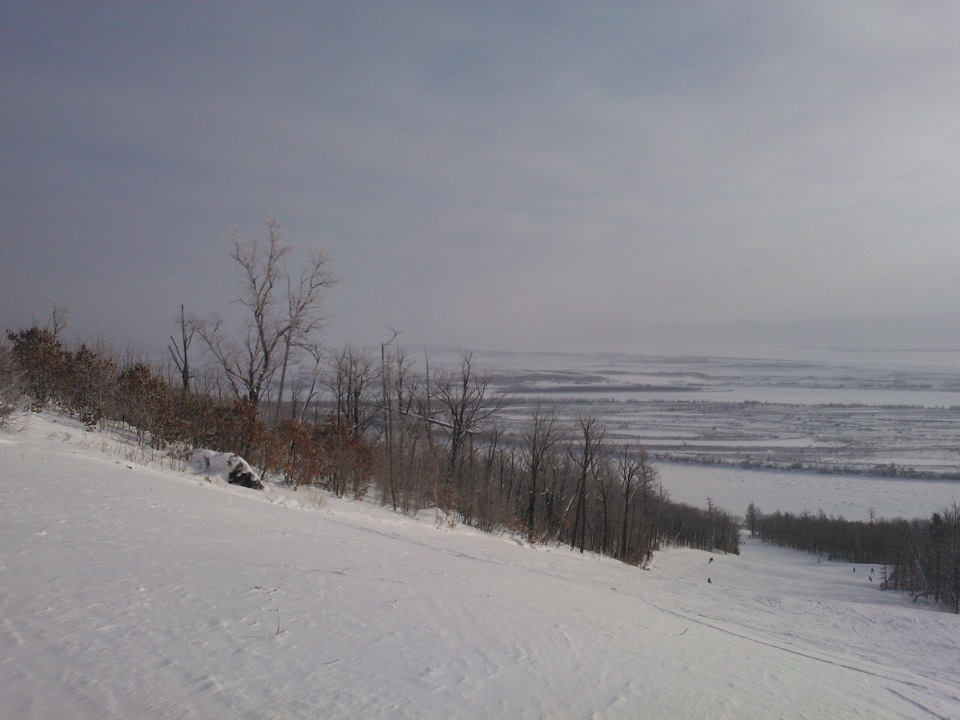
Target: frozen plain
[(812, 424), (132, 591)]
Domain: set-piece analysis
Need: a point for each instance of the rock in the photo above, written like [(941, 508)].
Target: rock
[(227, 467), (243, 475)]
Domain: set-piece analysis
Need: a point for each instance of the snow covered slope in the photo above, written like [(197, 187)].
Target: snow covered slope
[(133, 592)]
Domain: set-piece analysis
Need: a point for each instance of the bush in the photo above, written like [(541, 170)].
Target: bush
[(41, 360), (144, 401), (11, 398)]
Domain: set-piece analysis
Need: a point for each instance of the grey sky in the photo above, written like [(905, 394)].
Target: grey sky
[(494, 175)]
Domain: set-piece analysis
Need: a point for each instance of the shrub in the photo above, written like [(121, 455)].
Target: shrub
[(10, 395), (41, 359)]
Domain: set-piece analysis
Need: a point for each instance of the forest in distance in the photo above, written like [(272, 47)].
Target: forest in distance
[(497, 448)]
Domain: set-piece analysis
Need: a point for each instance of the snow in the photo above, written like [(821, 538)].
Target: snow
[(218, 465), (137, 591)]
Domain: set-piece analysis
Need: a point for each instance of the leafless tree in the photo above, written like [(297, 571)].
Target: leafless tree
[(351, 380), (466, 401), (180, 352), (604, 481), (538, 440), (409, 465), (304, 312), (58, 319), (312, 374), (636, 476), (276, 325), (585, 457)]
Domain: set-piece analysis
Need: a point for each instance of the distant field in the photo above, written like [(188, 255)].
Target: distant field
[(821, 421)]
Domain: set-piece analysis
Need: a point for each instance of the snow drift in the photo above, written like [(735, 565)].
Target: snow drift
[(228, 467)]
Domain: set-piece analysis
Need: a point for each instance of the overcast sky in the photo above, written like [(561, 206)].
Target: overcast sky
[(490, 175)]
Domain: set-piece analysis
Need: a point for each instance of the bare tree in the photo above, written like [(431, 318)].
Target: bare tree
[(585, 457), (604, 480), (538, 441), (276, 325), (386, 399), (315, 352), (466, 402), (304, 312), (410, 469), (180, 352), (351, 382), (58, 319), (636, 476)]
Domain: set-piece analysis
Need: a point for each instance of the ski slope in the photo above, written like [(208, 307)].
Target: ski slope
[(132, 591)]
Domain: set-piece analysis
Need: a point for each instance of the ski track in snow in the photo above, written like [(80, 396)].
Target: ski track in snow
[(131, 592)]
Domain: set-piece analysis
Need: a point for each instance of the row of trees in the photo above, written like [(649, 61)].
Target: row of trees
[(351, 419), (419, 441), (921, 557), (439, 441), (101, 389)]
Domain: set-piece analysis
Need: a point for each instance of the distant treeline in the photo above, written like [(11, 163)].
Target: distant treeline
[(920, 557), (889, 470), (573, 388)]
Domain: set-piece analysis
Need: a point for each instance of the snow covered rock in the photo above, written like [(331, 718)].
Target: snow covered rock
[(228, 467)]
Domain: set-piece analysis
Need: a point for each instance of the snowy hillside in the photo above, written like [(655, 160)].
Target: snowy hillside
[(137, 592)]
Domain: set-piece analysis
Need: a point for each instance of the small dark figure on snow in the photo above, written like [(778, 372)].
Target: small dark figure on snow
[(710, 581), (709, 561)]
